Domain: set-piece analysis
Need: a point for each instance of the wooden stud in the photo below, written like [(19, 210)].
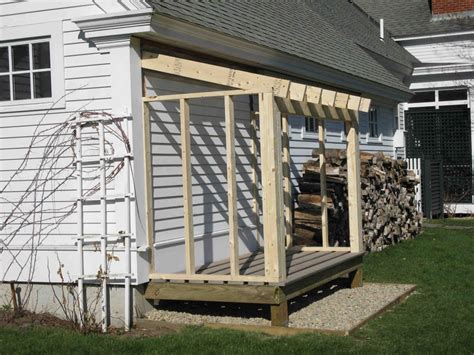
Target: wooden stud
[(187, 186), (355, 278), (254, 165), (287, 182), (231, 185), (279, 314), (353, 186), (324, 194), (272, 189), (148, 183)]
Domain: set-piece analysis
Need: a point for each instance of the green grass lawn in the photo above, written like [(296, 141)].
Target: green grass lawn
[(438, 318)]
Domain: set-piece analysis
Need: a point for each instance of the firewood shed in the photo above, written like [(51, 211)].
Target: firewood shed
[(253, 259)]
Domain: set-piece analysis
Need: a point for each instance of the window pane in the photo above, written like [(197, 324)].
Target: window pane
[(4, 87), (41, 55), (4, 59), (42, 86), (450, 95), (424, 96), (21, 87), (20, 57)]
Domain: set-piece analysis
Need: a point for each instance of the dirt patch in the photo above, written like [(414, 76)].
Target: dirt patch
[(26, 320)]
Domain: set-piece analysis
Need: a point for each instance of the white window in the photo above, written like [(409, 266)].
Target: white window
[(25, 70), (373, 123), (32, 67), (311, 124)]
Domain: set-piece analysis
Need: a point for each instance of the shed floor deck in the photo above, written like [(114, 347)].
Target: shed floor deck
[(299, 264), (305, 270)]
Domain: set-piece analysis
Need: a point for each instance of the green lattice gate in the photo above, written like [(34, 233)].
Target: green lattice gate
[(444, 135)]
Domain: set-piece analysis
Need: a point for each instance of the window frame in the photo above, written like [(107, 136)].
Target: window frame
[(51, 32), (373, 123), (310, 134), (30, 71)]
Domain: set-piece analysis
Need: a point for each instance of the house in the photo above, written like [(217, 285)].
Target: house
[(108, 180), (439, 119)]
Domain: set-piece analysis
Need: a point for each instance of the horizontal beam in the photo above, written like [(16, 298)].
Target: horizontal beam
[(246, 80), (211, 277), (258, 294), (200, 95)]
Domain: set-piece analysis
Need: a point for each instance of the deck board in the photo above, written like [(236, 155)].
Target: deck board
[(299, 264), (305, 271)]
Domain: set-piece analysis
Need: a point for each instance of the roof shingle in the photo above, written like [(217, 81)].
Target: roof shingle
[(299, 28)]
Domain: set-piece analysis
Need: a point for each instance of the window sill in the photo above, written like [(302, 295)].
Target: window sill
[(32, 105)]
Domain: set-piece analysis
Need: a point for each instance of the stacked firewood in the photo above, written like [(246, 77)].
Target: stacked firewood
[(389, 212)]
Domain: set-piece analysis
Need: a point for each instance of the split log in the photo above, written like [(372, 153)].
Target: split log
[(388, 201)]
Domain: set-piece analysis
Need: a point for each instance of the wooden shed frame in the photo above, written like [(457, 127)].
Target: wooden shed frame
[(277, 99)]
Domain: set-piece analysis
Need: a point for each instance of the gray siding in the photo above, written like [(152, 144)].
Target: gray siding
[(209, 181)]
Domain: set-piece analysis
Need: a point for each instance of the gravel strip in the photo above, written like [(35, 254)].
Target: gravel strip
[(332, 307)]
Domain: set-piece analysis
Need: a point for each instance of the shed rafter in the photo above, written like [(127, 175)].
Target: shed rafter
[(291, 97)]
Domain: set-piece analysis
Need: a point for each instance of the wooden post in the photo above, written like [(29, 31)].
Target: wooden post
[(272, 189), (353, 184), (254, 164), (187, 186), (324, 194), (355, 278), (148, 183), (279, 314), (231, 185), (287, 183)]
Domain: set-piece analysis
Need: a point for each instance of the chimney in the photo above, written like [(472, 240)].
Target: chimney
[(439, 7)]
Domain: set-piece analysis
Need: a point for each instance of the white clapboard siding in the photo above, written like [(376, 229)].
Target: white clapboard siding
[(87, 87), (436, 50)]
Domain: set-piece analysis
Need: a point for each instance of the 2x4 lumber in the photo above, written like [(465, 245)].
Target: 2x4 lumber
[(287, 182), (148, 182), (217, 74), (257, 294), (353, 186), (254, 165), (322, 173), (241, 79), (272, 189), (231, 185), (187, 187), (201, 95), (208, 277)]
